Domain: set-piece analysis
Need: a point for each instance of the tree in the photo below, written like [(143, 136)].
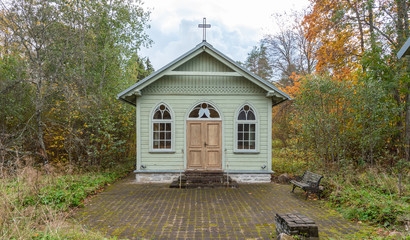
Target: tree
[(258, 62), (138, 68), (354, 37), (33, 25), (290, 55), (74, 57), (343, 120), (331, 24), (290, 52)]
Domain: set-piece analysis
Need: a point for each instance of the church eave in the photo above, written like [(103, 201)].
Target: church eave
[(168, 69), (159, 73)]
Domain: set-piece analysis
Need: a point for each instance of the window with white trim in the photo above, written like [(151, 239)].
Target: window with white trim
[(246, 127), (162, 128)]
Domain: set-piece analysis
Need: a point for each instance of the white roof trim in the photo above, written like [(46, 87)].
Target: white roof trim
[(202, 47), (198, 73), (404, 50)]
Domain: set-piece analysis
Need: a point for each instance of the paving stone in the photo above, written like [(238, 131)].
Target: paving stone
[(154, 211)]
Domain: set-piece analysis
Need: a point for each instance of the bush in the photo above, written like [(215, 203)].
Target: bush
[(291, 159), (351, 121)]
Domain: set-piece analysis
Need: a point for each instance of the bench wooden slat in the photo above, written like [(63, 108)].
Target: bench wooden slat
[(300, 184), (309, 183)]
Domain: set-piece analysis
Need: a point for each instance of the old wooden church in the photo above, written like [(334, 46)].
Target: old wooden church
[(203, 112)]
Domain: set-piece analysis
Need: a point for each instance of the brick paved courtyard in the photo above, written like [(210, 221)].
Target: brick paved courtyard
[(154, 211)]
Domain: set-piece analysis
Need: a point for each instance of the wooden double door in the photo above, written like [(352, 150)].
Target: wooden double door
[(204, 145)]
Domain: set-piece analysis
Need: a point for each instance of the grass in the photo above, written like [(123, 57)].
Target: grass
[(64, 192), (372, 196), (368, 194), (34, 205)]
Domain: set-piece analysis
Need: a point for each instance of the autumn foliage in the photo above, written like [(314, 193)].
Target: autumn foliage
[(349, 117), (61, 65), (351, 107)]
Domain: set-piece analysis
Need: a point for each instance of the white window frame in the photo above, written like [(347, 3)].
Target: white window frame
[(256, 122), (171, 121)]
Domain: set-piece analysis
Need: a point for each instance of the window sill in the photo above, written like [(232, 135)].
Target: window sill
[(162, 151), (246, 152)]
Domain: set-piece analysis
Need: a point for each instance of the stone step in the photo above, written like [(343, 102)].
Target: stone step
[(176, 184), (203, 176), (203, 182), (203, 179), (210, 180), (205, 173)]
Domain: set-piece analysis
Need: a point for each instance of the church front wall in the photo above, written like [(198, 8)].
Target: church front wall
[(227, 94)]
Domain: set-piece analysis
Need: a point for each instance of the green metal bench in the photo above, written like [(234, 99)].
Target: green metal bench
[(309, 183)]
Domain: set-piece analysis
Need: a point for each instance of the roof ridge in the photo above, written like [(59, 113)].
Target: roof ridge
[(203, 45)]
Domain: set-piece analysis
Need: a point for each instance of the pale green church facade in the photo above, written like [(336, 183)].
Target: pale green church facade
[(203, 112)]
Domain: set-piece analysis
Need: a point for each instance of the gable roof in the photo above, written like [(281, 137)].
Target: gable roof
[(129, 95)]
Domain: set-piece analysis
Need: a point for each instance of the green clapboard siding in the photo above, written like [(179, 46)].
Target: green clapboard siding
[(204, 63), (227, 94)]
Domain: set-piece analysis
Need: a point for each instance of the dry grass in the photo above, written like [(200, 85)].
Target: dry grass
[(20, 219)]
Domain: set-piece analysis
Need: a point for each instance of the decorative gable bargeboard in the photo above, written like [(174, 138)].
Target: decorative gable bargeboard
[(203, 112)]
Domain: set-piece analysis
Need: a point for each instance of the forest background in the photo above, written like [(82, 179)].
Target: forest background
[(350, 116), (63, 62)]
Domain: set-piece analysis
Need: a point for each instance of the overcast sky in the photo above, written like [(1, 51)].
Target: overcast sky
[(236, 26)]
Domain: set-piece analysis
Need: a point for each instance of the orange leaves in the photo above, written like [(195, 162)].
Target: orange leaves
[(329, 24), (293, 90)]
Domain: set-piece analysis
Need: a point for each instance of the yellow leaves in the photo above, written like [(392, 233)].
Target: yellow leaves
[(55, 139)]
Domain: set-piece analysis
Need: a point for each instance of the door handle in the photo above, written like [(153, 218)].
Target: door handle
[(205, 144)]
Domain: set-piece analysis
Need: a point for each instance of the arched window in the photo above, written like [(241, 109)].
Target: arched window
[(162, 128), (246, 129), (204, 111)]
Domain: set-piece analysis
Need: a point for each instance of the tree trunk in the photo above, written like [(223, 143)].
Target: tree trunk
[(371, 25), (359, 22), (39, 102), (407, 124)]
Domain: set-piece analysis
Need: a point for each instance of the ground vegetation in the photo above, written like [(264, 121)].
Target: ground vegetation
[(63, 133), (349, 114)]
